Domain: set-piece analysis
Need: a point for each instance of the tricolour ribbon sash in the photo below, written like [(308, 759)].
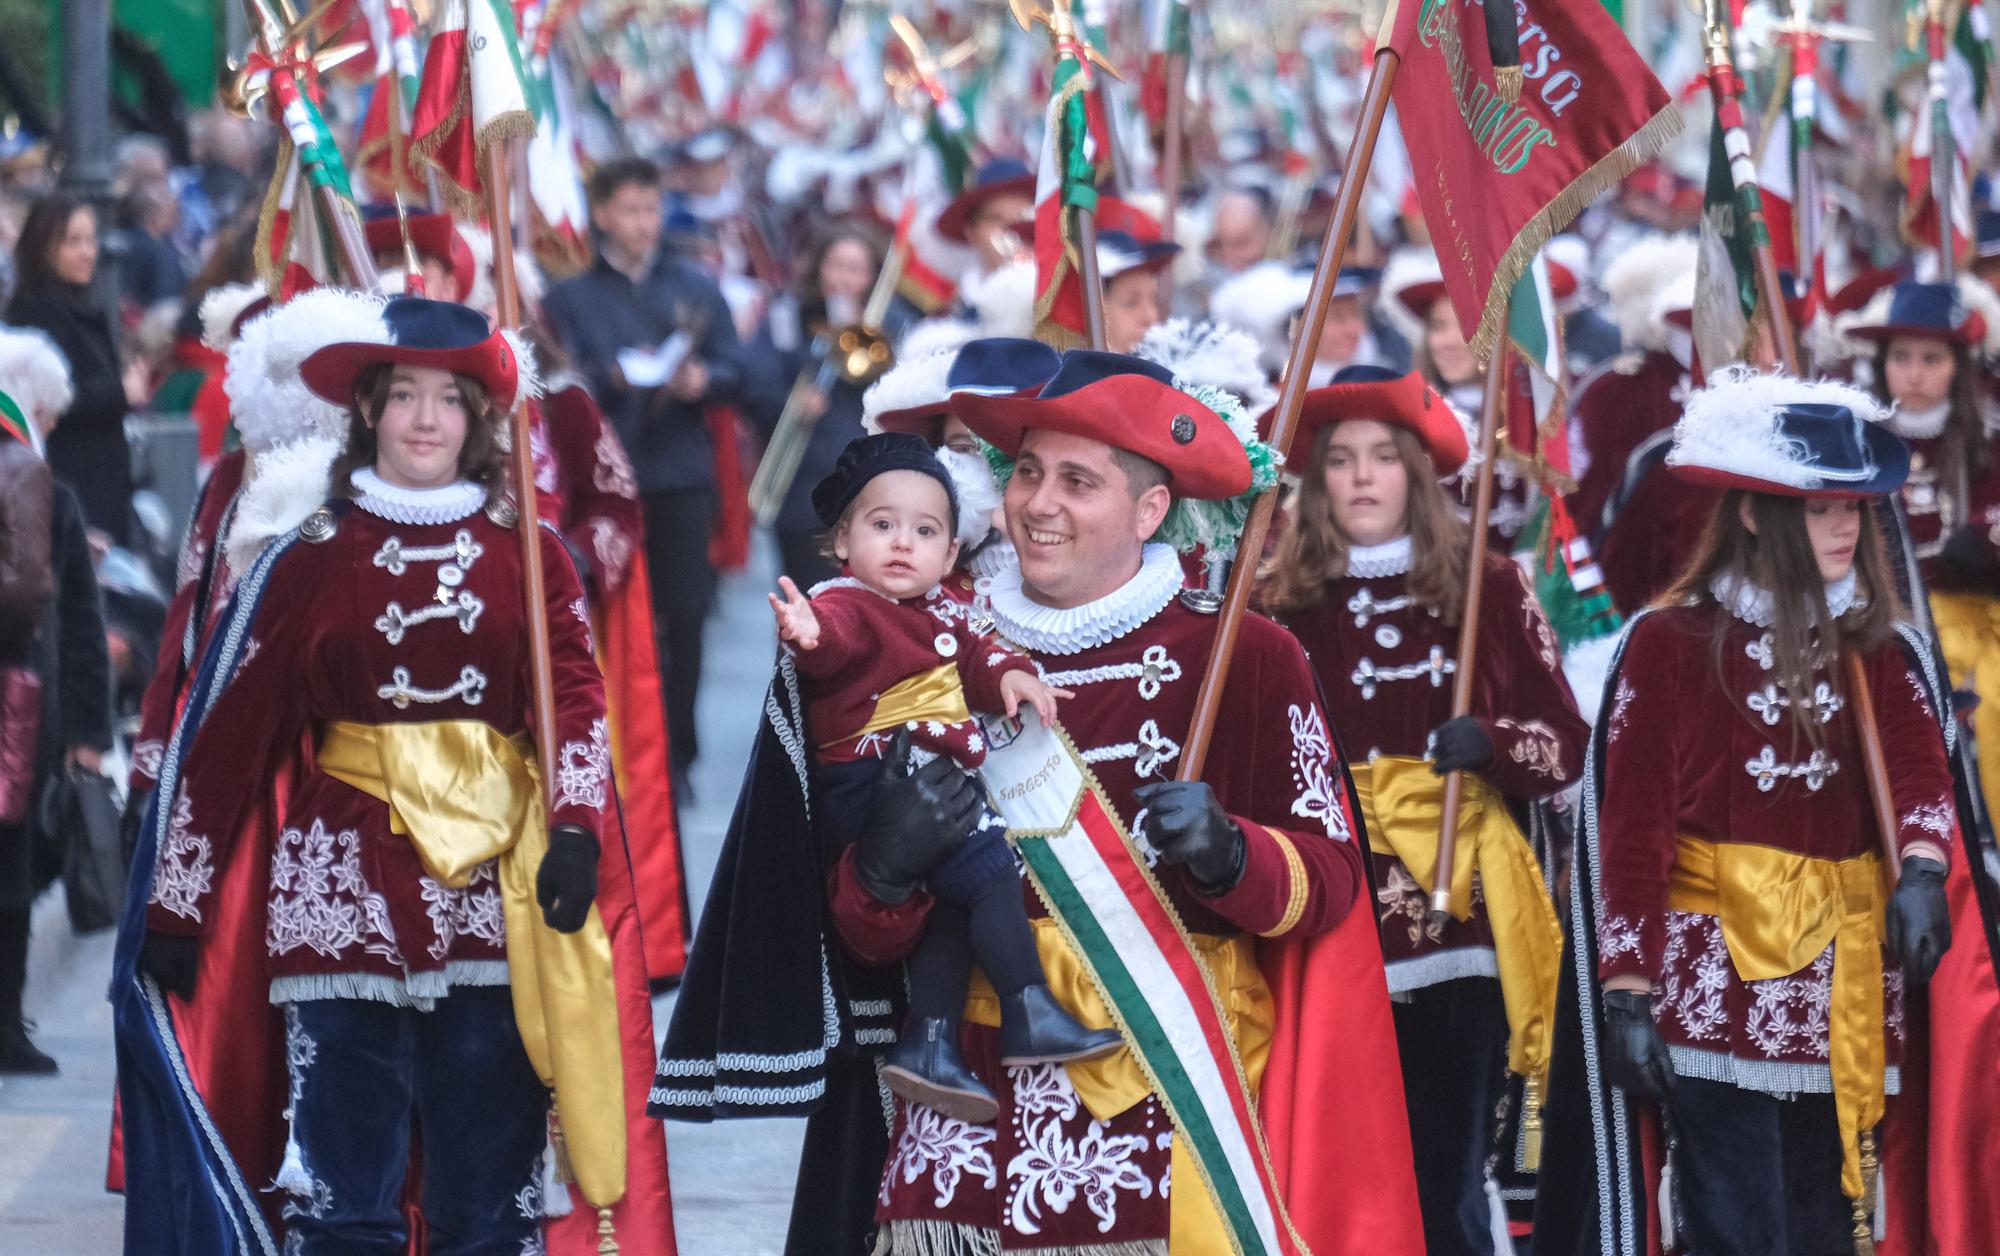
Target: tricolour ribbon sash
[(1101, 892)]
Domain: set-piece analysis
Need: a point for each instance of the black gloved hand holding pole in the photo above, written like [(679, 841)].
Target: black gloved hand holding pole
[(566, 883), (1187, 826)]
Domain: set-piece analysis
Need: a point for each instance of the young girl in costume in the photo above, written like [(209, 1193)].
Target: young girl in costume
[(1372, 580), (893, 669), (427, 915), (1747, 944)]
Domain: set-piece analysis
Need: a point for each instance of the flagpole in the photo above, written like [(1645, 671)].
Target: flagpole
[(1170, 150), (1722, 82), (1944, 147), (507, 300), (1071, 46), (1298, 374), (1089, 278)]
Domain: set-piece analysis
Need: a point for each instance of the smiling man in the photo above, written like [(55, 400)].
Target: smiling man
[(1263, 846)]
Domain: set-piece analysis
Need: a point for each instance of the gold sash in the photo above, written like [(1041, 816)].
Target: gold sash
[(1403, 804), (1113, 1084), (464, 794), (1778, 911), (932, 695)]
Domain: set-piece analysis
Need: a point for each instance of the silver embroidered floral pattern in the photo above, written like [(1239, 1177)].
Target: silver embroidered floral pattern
[(1932, 818), (1618, 936), (1536, 748), (1403, 897), (1312, 771), (475, 911), (1789, 1016), (1700, 1007), (184, 870), (944, 1147), (614, 470), (1621, 706), (583, 768), (146, 757), (1052, 1170), (321, 900), (612, 546)]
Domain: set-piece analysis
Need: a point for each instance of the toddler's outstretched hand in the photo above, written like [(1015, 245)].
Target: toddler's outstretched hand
[(1023, 686), (796, 622)]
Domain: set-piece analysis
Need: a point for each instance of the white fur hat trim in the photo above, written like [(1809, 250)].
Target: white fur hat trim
[(221, 308), (1004, 301), (269, 401), (1653, 277), (1731, 424)]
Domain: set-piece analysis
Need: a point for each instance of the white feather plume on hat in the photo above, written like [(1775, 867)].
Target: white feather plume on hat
[(1651, 278), (1209, 355), (923, 363), (1003, 301), (1732, 423), (528, 276), (1407, 268), (267, 397), (291, 481), (221, 308), (1260, 302)]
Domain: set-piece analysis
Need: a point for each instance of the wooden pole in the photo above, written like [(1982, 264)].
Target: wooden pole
[(1089, 279), (1874, 763), (1298, 373), (1486, 451), (1170, 162), (507, 298), (1944, 147), (1770, 291)]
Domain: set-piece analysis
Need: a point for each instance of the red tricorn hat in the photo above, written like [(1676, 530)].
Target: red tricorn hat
[(1374, 392), (422, 332), (1127, 403), (432, 235)]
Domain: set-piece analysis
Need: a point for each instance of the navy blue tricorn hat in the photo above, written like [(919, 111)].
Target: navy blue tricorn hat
[(1931, 310), (1790, 438), (422, 332), (1003, 176)]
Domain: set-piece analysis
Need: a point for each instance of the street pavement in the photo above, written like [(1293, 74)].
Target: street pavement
[(732, 1181)]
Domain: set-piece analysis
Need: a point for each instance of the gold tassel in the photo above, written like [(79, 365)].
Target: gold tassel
[(1531, 1124), (564, 1173), (1507, 81), (607, 1237), (1864, 1207)]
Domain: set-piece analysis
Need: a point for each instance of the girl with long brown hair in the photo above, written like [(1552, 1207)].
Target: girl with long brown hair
[(1740, 951), (1372, 579)]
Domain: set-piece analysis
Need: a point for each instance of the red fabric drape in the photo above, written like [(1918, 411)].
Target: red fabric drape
[(639, 749)]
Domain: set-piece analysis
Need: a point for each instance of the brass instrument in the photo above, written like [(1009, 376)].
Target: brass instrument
[(856, 355)]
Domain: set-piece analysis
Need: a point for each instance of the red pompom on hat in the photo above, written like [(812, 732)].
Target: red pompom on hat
[(432, 235), (1374, 392), (1127, 403), (422, 332)]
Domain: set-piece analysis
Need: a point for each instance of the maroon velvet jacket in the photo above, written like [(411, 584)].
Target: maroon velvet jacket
[(582, 471), (160, 704), (1933, 510), (1692, 753), (1387, 666), (1613, 411), (388, 620), (869, 642), (1272, 763)]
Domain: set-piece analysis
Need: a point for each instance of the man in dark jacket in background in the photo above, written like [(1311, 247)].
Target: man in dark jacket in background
[(654, 339)]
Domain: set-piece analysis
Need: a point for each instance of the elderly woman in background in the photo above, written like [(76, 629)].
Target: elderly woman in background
[(57, 258), (61, 643)]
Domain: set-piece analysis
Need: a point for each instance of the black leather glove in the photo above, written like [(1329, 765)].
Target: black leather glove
[(566, 883), (133, 819), (915, 820), (1460, 745), (1635, 1056), (1968, 556), (1919, 920), (171, 960), (1187, 826)]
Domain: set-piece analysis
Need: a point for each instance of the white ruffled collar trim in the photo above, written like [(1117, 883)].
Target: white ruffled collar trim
[(1373, 562), (447, 503), (854, 582), (1047, 630), (1920, 424), (1751, 602), (992, 558)]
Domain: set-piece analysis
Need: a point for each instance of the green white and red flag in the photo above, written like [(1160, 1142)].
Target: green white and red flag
[(14, 424), (1788, 172), (1167, 35), (1065, 186), (1954, 98), (473, 93), (385, 128), (1732, 228), (1495, 180), (555, 172), (1538, 399)]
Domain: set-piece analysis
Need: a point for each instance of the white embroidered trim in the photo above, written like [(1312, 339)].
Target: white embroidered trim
[(1152, 751), (463, 551), (184, 871), (146, 757), (1154, 668), (446, 504), (849, 582), (1371, 562), (320, 897), (583, 768), (1367, 677), (1312, 772), (470, 686), (474, 911), (1406, 975), (1047, 630), (1365, 607), (1751, 603), (1768, 771), (1783, 1078), (394, 621), (1920, 424)]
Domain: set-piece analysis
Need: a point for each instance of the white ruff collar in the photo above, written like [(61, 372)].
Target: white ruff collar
[(992, 558), (1920, 424), (1047, 630), (1372, 562), (1751, 603), (445, 504)]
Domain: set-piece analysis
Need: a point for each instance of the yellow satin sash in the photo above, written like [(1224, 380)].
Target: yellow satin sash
[(932, 695), (1968, 627), (1778, 911), (1113, 1084), (464, 793), (1403, 804)]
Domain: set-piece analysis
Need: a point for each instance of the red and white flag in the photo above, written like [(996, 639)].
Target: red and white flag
[(472, 94)]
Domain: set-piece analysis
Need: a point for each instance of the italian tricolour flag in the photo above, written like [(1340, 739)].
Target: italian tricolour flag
[(472, 95), (1068, 180)]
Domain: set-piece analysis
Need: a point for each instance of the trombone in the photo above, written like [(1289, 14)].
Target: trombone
[(856, 354)]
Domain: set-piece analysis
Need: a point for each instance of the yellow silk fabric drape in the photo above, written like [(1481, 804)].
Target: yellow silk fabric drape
[(1778, 912), (932, 695), (1403, 804), (465, 793)]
